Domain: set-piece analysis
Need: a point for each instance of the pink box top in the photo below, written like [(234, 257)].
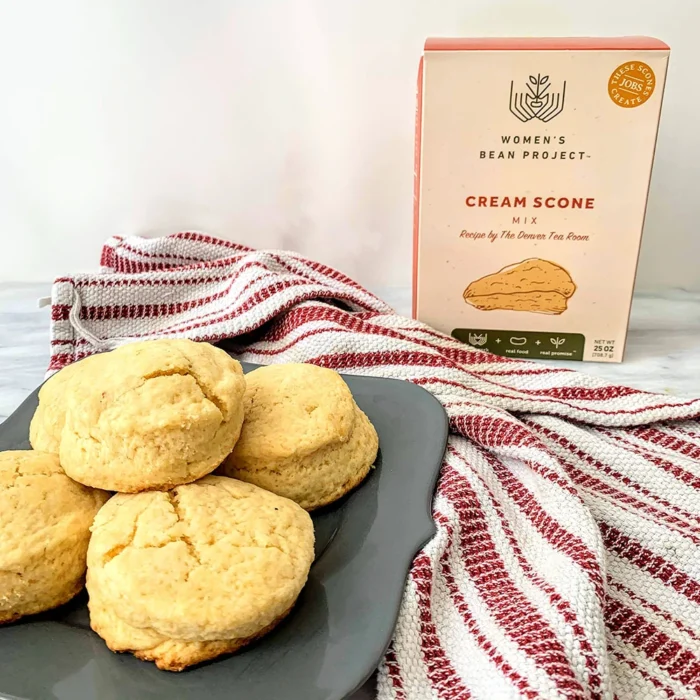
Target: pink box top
[(624, 43)]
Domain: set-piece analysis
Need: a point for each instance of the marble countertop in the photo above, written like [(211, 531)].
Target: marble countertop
[(663, 348)]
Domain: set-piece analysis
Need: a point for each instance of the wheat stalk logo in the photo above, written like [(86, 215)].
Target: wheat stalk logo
[(538, 100)]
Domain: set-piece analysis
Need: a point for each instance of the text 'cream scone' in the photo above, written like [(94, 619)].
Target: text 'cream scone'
[(151, 415), (304, 437), (534, 285), (183, 576), (45, 520)]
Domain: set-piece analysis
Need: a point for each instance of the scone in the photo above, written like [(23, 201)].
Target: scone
[(45, 521), (50, 416), (304, 437), (534, 285), (151, 415), (183, 576)]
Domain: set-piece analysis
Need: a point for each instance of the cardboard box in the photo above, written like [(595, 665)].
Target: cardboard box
[(533, 160)]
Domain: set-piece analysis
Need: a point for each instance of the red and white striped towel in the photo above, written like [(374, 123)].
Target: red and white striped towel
[(567, 557)]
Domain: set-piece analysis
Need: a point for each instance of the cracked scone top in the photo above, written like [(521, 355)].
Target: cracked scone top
[(183, 576), (45, 520), (304, 437), (149, 415)]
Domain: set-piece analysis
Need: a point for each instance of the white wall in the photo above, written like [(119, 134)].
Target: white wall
[(275, 123)]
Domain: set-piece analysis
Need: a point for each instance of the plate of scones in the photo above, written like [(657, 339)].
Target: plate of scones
[(177, 524)]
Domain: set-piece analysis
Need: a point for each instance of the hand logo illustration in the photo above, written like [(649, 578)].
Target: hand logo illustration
[(537, 101)]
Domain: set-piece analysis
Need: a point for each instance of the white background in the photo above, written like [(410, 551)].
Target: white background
[(276, 123)]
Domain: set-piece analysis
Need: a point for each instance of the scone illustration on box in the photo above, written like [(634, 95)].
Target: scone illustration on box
[(533, 161), (534, 285)]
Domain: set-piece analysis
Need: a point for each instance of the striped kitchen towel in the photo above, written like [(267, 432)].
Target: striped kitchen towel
[(566, 562)]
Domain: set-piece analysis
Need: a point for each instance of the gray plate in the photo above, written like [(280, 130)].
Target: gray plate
[(333, 640)]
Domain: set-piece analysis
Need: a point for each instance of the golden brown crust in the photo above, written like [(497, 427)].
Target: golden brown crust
[(191, 573), (146, 416), (50, 415), (363, 467), (177, 655), (45, 520), (304, 436), (61, 598)]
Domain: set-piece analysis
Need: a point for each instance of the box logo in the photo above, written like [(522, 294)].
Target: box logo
[(478, 339), (537, 100), (631, 84)]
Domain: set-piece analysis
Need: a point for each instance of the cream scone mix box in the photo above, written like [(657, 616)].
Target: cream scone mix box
[(533, 160)]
